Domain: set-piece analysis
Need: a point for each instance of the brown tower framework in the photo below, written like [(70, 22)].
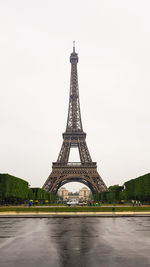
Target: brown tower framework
[(84, 171)]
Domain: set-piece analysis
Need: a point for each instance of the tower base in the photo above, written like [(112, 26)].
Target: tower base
[(74, 172)]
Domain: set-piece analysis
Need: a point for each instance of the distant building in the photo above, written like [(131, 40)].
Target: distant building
[(84, 194), (63, 193)]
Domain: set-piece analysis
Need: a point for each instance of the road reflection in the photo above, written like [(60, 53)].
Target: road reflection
[(63, 242)]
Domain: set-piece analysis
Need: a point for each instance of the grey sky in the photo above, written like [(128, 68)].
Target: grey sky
[(113, 44)]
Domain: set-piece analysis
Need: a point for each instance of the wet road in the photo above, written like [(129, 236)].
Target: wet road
[(70, 242)]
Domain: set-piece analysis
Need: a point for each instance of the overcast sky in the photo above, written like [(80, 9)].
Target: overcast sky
[(113, 43)]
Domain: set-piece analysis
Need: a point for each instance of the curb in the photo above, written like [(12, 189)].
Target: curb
[(74, 214)]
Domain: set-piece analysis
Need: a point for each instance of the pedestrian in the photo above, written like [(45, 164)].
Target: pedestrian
[(30, 203)]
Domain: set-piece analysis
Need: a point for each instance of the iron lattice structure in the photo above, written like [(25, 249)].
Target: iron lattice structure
[(84, 171)]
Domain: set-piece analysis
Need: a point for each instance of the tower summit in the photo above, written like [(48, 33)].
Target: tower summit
[(74, 123), (84, 171)]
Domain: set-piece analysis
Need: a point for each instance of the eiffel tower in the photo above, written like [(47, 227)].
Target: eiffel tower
[(84, 171)]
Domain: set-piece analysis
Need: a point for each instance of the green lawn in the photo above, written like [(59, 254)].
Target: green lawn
[(73, 209)]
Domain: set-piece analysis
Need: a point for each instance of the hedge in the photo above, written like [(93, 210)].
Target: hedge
[(40, 195), (138, 188), (134, 189), (12, 189)]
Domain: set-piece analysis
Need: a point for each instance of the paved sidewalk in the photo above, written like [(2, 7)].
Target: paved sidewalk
[(14, 214)]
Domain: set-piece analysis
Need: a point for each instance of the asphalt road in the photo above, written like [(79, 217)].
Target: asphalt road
[(75, 242)]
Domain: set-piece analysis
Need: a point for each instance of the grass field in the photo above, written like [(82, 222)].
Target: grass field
[(74, 209)]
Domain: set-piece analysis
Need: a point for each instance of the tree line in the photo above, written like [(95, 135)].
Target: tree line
[(134, 189), (14, 190)]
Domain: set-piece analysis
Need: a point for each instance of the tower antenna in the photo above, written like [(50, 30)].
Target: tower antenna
[(74, 46)]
